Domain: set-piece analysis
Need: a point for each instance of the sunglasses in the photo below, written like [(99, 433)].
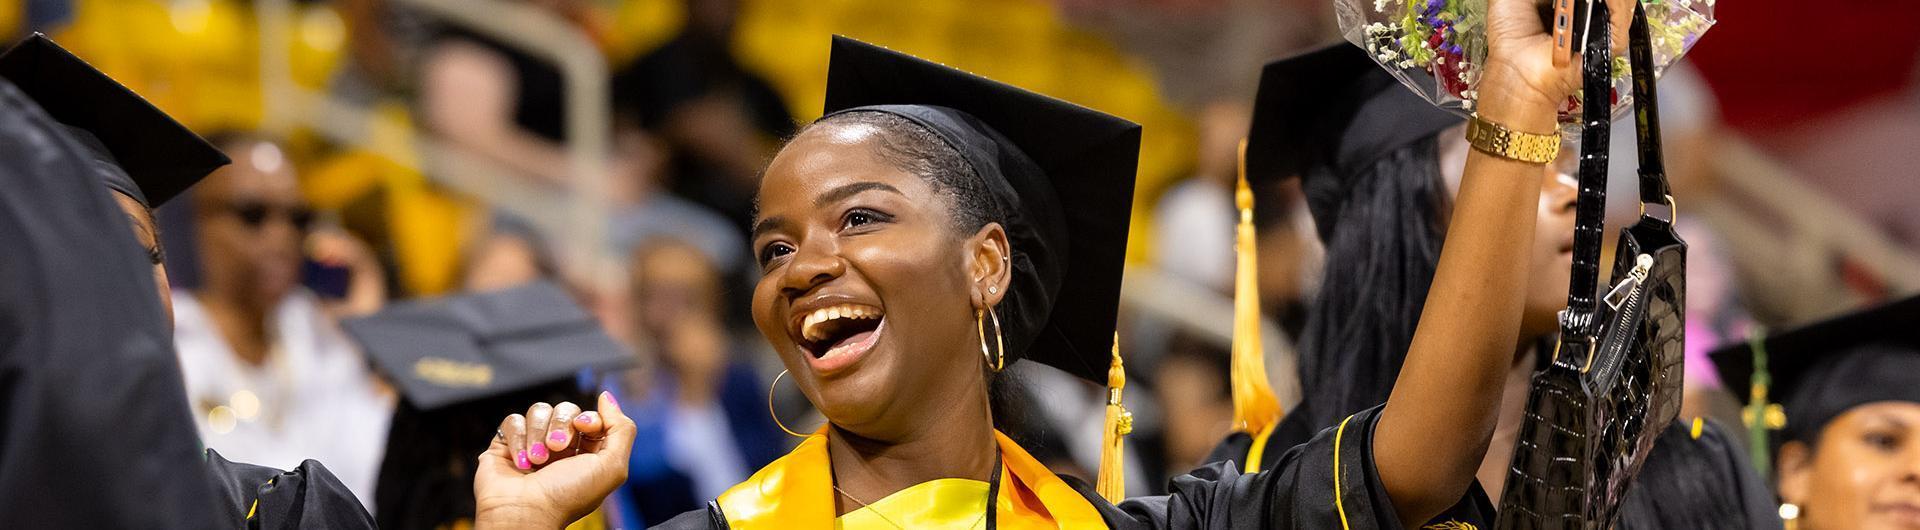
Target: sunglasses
[(255, 214)]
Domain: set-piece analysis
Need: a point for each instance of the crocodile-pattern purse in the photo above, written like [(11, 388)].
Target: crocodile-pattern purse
[(1614, 381)]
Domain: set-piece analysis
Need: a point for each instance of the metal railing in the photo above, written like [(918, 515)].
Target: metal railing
[(577, 216), (1788, 240)]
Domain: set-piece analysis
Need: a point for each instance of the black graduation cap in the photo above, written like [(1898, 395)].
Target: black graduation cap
[(466, 347), (159, 156), (1062, 174), (1821, 370), (1328, 115)]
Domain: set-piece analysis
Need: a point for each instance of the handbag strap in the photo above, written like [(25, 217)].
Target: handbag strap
[(1646, 112), (1596, 109)]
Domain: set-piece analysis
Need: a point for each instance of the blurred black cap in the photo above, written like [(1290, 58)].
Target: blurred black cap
[(1328, 115), (461, 348), (157, 157), (1821, 370), (1063, 175)]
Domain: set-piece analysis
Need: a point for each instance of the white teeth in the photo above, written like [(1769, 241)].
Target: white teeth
[(810, 324)]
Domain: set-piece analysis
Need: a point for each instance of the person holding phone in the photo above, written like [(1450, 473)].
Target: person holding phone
[(270, 377)]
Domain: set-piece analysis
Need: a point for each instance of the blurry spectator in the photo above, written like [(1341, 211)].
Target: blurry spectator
[(272, 379), (703, 414), (1193, 224), (1196, 405), (719, 122), (501, 103), (662, 215), (509, 254)]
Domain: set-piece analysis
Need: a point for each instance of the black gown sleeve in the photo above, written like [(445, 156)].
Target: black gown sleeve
[(1329, 482), (308, 497)]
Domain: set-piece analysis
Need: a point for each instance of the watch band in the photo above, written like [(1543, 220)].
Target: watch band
[(1497, 140)]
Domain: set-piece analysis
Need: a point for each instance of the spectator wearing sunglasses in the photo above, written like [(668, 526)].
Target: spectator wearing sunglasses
[(271, 378)]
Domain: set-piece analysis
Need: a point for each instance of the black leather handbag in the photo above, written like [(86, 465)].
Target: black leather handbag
[(1614, 380)]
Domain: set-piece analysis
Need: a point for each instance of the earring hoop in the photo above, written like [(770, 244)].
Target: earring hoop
[(999, 361), (776, 415)]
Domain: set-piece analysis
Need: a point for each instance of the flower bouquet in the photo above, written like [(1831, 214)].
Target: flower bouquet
[(1435, 47)]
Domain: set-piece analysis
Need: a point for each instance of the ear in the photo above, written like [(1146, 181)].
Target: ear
[(1795, 469), (989, 265)]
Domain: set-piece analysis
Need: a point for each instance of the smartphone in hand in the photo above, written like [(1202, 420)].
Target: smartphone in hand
[(328, 281)]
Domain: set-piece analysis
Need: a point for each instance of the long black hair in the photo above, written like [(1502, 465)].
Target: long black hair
[(1381, 254)]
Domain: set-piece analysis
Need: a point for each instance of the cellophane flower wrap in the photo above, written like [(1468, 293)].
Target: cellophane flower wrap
[(1436, 47)]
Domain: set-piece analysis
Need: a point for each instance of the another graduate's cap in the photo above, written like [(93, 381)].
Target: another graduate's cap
[(1821, 370), (1327, 116), (460, 348), (147, 155), (1062, 176)]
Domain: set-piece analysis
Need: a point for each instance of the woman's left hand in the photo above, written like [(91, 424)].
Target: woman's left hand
[(1520, 85), (586, 460)]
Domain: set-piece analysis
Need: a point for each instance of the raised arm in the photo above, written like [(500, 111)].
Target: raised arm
[(1438, 420)]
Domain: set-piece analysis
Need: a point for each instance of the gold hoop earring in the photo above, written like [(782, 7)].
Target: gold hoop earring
[(776, 415), (999, 361)]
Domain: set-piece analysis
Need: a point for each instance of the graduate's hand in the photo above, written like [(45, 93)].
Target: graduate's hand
[(510, 491), (1520, 87)]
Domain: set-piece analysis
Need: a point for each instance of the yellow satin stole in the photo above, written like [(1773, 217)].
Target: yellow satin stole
[(796, 491)]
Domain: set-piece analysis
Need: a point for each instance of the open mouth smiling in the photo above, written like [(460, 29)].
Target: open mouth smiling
[(836, 335)]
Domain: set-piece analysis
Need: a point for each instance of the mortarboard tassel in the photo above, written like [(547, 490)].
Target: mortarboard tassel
[(1760, 415), (1112, 482), (1255, 408)]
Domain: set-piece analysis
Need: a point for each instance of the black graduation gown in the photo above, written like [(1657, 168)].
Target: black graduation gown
[(308, 497), (1326, 482), (1688, 482), (94, 425)]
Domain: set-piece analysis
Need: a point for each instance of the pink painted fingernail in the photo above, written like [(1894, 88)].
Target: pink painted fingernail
[(584, 419), (611, 400), (520, 461), (559, 437), (538, 452)]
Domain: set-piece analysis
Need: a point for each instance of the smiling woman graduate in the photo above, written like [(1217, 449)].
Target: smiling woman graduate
[(934, 227)]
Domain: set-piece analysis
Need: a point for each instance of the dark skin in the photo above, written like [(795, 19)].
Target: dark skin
[(247, 268), (839, 224), (147, 233), (896, 422)]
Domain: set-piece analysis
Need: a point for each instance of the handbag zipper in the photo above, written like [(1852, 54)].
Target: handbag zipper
[(1624, 290)]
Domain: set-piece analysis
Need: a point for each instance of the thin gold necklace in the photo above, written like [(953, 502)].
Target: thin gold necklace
[(993, 486)]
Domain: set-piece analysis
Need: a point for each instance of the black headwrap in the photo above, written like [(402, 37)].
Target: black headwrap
[(1062, 175)]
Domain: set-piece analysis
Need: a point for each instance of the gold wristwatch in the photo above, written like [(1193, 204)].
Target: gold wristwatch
[(1497, 140)]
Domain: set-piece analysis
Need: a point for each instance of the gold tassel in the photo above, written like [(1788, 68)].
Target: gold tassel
[(1255, 408), (1112, 483)]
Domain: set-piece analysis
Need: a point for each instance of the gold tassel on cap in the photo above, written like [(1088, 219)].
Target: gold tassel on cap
[(1255, 408), (1112, 483)]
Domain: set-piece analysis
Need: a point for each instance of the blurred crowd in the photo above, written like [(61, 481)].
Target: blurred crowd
[(388, 149)]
